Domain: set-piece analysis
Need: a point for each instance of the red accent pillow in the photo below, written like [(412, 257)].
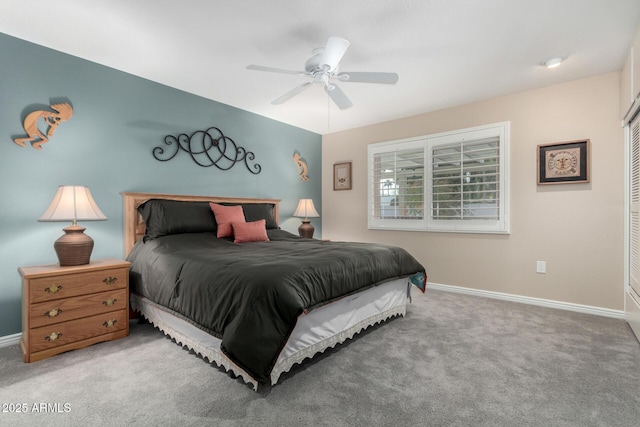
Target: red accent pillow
[(225, 215), (255, 231)]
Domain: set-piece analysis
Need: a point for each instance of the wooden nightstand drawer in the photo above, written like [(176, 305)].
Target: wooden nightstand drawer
[(50, 312), (71, 307), (68, 285), (59, 334)]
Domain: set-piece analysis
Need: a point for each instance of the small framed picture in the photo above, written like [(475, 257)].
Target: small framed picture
[(563, 162), (342, 176)]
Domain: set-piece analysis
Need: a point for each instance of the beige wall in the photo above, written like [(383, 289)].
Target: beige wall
[(576, 228)]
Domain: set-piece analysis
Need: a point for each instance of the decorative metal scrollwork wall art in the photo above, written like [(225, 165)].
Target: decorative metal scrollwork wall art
[(208, 148)]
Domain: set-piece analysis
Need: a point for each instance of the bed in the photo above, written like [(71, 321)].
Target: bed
[(259, 300)]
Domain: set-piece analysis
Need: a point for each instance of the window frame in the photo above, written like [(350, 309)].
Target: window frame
[(428, 143)]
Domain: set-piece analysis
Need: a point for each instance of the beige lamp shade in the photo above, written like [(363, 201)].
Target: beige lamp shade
[(305, 210), (73, 203)]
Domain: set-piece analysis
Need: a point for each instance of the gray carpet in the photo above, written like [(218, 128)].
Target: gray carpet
[(454, 360)]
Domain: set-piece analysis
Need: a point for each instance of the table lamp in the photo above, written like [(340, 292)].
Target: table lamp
[(73, 203), (305, 210)]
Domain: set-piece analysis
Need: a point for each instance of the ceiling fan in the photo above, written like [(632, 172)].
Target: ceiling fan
[(322, 67)]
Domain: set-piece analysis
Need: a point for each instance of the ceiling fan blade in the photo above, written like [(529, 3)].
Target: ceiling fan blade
[(293, 92), (274, 70), (334, 50), (368, 77), (338, 96)]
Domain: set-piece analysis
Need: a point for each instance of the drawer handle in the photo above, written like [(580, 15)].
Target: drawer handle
[(109, 323), (53, 312), (54, 336), (53, 289), (109, 302), (109, 280)]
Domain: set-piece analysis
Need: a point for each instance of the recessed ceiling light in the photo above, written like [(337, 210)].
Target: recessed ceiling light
[(553, 62)]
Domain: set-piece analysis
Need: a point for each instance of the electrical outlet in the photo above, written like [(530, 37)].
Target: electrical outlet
[(541, 267)]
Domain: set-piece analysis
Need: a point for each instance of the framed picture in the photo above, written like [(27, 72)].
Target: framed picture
[(342, 176), (563, 162)]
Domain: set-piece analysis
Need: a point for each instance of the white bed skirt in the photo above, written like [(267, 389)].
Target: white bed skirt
[(315, 331)]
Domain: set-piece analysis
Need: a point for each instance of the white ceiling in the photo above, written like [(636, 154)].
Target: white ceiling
[(446, 52)]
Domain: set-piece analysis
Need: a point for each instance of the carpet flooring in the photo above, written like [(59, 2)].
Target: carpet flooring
[(453, 360)]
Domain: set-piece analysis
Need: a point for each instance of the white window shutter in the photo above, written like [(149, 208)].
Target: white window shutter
[(634, 215)]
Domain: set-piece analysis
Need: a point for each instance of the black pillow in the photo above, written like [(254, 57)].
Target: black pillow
[(258, 211), (165, 217)]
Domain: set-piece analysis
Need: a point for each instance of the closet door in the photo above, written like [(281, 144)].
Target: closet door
[(632, 302)]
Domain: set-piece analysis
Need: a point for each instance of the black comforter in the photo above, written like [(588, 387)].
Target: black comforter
[(250, 294)]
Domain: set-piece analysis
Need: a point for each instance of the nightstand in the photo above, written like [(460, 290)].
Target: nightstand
[(67, 308)]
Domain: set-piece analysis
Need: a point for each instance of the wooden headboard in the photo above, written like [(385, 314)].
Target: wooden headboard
[(134, 227)]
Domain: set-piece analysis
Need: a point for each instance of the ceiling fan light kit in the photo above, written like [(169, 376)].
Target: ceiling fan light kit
[(322, 67)]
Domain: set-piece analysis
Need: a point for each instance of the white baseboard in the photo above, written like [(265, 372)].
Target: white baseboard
[(587, 309), (9, 340)]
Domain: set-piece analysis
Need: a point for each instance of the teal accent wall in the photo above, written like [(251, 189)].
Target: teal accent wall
[(107, 145)]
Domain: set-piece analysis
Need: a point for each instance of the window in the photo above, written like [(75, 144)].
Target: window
[(400, 188), (453, 181)]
